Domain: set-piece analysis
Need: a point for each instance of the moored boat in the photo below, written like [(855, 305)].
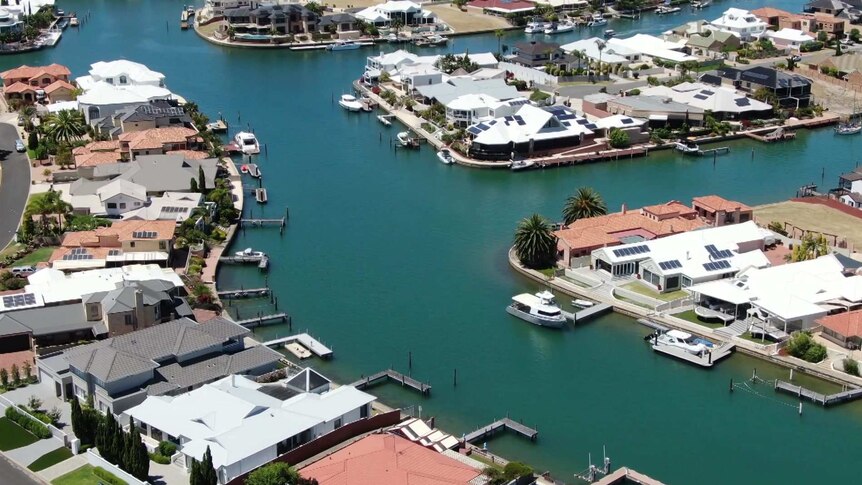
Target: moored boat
[(519, 165), (250, 253), (540, 309), (559, 28), (407, 140), (349, 102), (430, 41), (247, 143), (343, 45), (848, 128), (698, 4), (582, 303), (596, 20), (536, 27), (687, 146), (73, 21), (445, 156), (609, 33), (687, 347)]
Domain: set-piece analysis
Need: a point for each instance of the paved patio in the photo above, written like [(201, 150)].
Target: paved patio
[(167, 474), (30, 453), (46, 393)]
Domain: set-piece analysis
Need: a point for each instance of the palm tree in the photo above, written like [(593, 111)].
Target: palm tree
[(585, 203), (811, 247), (535, 244), (601, 45), (66, 126), (499, 35)]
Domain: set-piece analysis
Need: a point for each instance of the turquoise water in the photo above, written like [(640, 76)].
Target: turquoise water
[(393, 253)]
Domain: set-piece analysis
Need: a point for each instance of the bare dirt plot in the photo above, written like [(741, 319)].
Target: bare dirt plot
[(472, 20), (812, 217), (834, 98), (350, 3)]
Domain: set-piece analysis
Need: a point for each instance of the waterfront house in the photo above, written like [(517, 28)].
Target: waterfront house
[(660, 111), (724, 102), (456, 87), (530, 132), (53, 308), (651, 47), (539, 54), (787, 297), (338, 23), (468, 109), (409, 76), (34, 83), (121, 243), (688, 258), (503, 7), (844, 329), (576, 241), (116, 85), (158, 173), (589, 49), (849, 190), (393, 460), (740, 23), (10, 22), (850, 10), (790, 39), (120, 196), (264, 18), (170, 206), (217, 8), (158, 141), (168, 359), (120, 73), (158, 113), (711, 42), (718, 211), (245, 424), (792, 90), (408, 13)]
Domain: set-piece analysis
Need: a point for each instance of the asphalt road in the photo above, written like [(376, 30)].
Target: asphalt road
[(14, 185), (12, 475)]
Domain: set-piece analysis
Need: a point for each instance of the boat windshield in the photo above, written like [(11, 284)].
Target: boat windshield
[(545, 313)]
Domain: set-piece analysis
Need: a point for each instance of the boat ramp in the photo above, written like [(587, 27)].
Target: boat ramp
[(500, 425), (823, 399), (304, 339), (395, 376)]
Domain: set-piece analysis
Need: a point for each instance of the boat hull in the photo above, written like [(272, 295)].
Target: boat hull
[(535, 320), (350, 106)]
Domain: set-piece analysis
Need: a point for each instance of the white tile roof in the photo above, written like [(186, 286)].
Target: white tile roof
[(790, 35), (590, 48), (718, 99), (652, 46), (534, 123), (56, 286), (124, 187)]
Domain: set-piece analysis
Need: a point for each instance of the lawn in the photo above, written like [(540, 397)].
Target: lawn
[(38, 256), (633, 302), (690, 316), (50, 459), (81, 476), (12, 248), (642, 289), (13, 436)]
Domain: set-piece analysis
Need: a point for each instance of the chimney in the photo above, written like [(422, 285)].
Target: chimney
[(233, 380), (687, 256), (139, 308)]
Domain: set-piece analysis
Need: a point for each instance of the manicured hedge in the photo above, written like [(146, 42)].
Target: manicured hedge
[(107, 476), (38, 429)]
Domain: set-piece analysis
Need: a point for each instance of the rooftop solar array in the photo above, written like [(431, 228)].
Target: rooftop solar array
[(514, 119), (716, 265), (742, 102), (480, 127), (707, 92), (672, 264), (23, 299), (716, 253), (627, 121), (77, 254), (144, 234), (700, 96), (642, 249), (174, 210)]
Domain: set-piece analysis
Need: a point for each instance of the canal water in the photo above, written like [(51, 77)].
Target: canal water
[(390, 254)]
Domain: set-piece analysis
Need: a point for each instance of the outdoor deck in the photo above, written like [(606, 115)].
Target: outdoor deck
[(390, 374), (823, 399), (592, 312), (500, 425), (306, 340), (261, 320)]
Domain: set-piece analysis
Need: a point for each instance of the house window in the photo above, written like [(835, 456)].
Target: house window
[(128, 319), (112, 205), (123, 80), (337, 423), (131, 244), (137, 204), (122, 205), (163, 245), (109, 80)]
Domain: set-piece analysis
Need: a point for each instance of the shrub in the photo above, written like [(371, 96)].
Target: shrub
[(851, 366), (802, 346), (618, 138), (32, 140), (38, 429), (160, 459), (652, 80), (811, 46), (633, 92), (107, 476), (166, 448)]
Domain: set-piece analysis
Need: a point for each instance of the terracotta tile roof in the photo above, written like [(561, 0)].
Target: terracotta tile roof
[(29, 72), (607, 230), (717, 203), (391, 460), (96, 252), (58, 84), (672, 207), (771, 12), (848, 324), (96, 158), (97, 146), (123, 230), (189, 154), (19, 87), (157, 137)]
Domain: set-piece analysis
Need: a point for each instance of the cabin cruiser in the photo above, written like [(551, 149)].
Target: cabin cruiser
[(687, 146), (247, 143), (349, 102), (430, 41), (666, 9), (678, 340), (250, 253), (559, 28), (343, 45), (539, 309), (536, 27), (445, 156), (596, 20), (519, 165), (407, 140), (698, 4), (848, 129), (609, 33)]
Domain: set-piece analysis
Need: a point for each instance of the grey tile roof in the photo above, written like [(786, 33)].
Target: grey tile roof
[(225, 329), (657, 103), (162, 173), (10, 326), (181, 377), (123, 298), (47, 320)]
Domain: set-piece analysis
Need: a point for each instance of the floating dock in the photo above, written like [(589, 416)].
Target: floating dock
[(500, 425), (823, 399), (393, 375), (779, 134), (261, 320), (297, 350), (260, 195), (306, 340), (714, 151), (591, 312), (243, 293), (218, 126)]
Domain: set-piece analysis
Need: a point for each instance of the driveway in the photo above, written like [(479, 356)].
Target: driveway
[(12, 475), (14, 185), (45, 392), (28, 454)]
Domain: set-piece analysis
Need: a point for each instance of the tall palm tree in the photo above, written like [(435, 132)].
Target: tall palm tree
[(535, 244), (499, 35), (586, 202), (66, 126), (601, 45)]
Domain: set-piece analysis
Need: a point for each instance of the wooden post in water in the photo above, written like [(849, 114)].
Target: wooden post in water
[(410, 361), (730, 388), (276, 303), (455, 378)]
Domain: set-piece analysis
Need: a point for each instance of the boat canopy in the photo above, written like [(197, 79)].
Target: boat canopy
[(678, 334)]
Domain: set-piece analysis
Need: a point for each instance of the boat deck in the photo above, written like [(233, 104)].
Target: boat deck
[(707, 360)]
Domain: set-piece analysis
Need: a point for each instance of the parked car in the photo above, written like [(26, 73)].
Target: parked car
[(23, 270), (796, 58), (20, 147)]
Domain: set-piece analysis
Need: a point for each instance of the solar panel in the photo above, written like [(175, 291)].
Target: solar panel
[(583, 121), (591, 126), (671, 264), (742, 102), (707, 92), (700, 96), (627, 121), (716, 265), (13, 301), (474, 130)]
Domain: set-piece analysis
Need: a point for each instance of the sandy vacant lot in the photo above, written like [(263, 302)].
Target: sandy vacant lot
[(813, 217), (470, 21), (350, 3)]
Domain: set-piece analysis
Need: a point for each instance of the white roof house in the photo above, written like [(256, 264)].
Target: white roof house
[(719, 99), (618, 121), (114, 85), (171, 206), (692, 257), (246, 424), (121, 73), (616, 54), (528, 124), (790, 296), (393, 61), (651, 46), (788, 38), (408, 12), (740, 23), (56, 286), (121, 187)]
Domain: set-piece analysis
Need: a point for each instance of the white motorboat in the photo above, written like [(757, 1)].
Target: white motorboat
[(582, 303), (687, 147), (666, 9), (430, 41), (609, 33), (559, 28), (519, 165), (250, 253), (445, 156), (247, 143), (681, 340), (848, 128), (384, 119), (343, 45), (698, 4), (393, 37), (350, 103), (539, 309), (596, 20), (407, 140), (535, 27)]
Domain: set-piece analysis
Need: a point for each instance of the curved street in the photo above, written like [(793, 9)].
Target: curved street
[(14, 185)]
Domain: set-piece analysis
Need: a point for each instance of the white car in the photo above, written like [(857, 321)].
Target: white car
[(19, 146)]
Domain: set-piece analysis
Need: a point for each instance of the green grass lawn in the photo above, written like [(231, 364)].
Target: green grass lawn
[(690, 316), (13, 436), (50, 459), (548, 272), (642, 289), (633, 302), (81, 476), (38, 256)]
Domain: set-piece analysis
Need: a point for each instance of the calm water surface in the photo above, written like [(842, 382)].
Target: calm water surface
[(388, 253)]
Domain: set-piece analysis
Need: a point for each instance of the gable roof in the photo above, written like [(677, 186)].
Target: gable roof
[(122, 187), (536, 47), (155, 138), (29, 72), (123, 230)]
